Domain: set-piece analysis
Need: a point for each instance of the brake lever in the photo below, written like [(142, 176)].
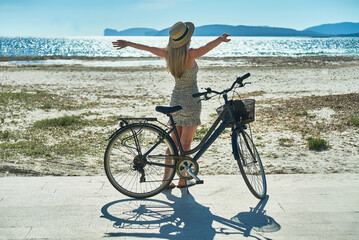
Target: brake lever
[(205, 98), (201, 99)]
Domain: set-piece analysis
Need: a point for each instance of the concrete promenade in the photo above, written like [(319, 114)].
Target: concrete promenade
[(297, 207)]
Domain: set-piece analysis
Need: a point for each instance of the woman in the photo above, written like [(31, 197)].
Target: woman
[(182, 65)]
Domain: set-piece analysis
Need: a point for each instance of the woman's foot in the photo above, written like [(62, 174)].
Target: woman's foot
[(171, 186), (182, 183)]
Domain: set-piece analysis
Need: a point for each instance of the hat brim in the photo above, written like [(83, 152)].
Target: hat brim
[(177, 44)]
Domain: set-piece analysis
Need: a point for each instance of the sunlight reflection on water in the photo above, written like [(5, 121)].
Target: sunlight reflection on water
[(239, 46)]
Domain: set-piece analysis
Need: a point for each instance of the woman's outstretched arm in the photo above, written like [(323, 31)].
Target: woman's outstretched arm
[(198, 52), (119, 44)]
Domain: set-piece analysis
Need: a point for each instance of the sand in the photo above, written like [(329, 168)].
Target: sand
[(296, 98)]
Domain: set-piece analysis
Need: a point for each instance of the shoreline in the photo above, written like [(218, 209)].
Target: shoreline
[(263, 61), (154, 64)]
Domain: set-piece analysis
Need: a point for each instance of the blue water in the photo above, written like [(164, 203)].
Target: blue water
[(238, 47)]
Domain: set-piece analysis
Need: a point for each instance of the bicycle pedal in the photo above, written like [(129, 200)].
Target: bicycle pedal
[(199, 182)]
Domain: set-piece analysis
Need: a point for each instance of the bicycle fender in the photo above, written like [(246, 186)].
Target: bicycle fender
[(126, 126), (235, 144), (118, 130), (113, 134)]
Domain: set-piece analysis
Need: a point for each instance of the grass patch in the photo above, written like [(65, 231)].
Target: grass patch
[(4, 135), (47, 106), (64, 121), (28, 148), (101, 122), (25, 99), (354, 121), (286, 142), (301, 113), (251, 94), (38, 99), (38, 148), (213, 115), (200, 133), (317, 144), (5, 97)]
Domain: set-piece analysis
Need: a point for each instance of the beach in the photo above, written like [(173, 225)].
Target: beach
[(297, 98)]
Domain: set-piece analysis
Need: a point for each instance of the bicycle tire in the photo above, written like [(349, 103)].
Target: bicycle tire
[(126, 167), (250, 164)]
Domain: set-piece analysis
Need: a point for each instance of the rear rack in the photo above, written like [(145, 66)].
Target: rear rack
[(124, 121)]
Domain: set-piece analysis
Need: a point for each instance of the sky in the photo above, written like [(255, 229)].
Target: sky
[(55, 18)]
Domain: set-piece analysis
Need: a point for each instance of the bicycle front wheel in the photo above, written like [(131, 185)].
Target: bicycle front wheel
[(137, 161), (250, 165)]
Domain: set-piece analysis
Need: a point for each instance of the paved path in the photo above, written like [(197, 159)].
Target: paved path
[(297, 207)]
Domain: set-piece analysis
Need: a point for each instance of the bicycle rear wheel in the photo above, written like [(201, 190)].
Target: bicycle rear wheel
[(250, 165), (130, 170)]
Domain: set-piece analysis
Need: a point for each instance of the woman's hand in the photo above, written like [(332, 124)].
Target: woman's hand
[(199, 52), (119, 44), (224, 37)]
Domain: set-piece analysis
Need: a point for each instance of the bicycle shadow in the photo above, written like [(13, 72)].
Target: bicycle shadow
[(183, 218)]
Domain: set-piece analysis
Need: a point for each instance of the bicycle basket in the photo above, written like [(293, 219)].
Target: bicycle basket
[(243, 110)]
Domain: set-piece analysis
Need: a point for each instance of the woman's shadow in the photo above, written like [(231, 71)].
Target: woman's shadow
[(183, 218)]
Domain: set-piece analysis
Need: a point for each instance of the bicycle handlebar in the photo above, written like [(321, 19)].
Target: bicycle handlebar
[(244, 77), (238, 81)]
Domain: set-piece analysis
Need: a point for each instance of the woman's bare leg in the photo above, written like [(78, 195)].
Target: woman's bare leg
[(186, 137), (169, 161)]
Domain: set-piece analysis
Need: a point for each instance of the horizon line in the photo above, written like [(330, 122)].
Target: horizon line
[(332, 23)]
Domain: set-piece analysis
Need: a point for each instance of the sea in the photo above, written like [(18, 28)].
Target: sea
[(102, 47)]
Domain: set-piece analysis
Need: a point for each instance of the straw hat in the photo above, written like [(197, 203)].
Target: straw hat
[(180, 34)]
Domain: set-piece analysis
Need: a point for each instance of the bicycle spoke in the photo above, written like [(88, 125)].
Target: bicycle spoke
[(131, 172), (251, 166)]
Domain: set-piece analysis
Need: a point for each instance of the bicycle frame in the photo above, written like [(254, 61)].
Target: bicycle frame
[(212, 133)]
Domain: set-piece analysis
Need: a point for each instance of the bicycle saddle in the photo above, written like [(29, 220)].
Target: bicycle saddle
[(168, 110)]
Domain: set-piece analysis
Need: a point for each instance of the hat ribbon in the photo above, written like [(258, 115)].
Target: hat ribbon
[(181, 37)]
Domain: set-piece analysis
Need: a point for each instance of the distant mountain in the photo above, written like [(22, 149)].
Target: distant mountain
[(241, 30), (131, 32), (215, 30), (336, 28), (342, 29)]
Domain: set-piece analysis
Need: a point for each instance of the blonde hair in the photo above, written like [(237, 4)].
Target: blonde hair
[(176, 59)]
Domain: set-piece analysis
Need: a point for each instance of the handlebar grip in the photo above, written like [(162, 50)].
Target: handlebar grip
[(245, 76), (240, 79)]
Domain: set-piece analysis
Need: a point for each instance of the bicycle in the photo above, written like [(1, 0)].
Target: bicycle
[(142, 159)]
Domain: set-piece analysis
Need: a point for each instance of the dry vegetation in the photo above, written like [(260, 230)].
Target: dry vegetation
[(55, 129), (296, 114)]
